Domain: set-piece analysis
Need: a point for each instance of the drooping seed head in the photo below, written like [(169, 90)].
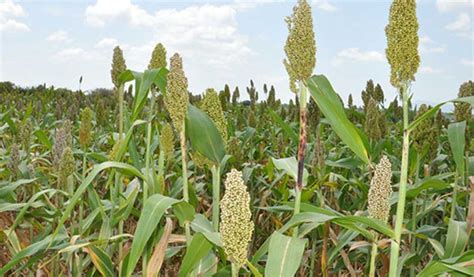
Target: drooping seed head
[(380, 190), (85, 130), (463, 111), (118, 66), (158, 57), (236, 223), (300, 47), (177, 98), (402, 42), (114, 151), (212, 106)]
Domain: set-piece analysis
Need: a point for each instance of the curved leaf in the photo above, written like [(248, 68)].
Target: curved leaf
[(203, 134), (153, 209), (284, 255), (328, 101)]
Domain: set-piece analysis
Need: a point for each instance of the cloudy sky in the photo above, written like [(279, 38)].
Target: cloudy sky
[(55, 42)]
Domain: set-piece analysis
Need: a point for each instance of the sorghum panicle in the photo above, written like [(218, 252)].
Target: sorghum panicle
[(402, 41), (85, 130), (236, 223), (167, 140), (177, 98), (118, 66), (67, 164), (158, 57), (212, 106), (300, 47), (380, 190)]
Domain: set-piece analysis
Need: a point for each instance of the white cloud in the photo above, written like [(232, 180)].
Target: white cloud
[(8, 11), (106, 10), (428, 46), (12, 25), (429, 70), (69, 53), (462, 23), (461, 26), (355, 54), (467, 62), (324, 5), (208, 33), (106, 43), (453, 5), (59, 36)]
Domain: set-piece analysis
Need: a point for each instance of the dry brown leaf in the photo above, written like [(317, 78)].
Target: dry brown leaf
[(156, 260), (359, 244)]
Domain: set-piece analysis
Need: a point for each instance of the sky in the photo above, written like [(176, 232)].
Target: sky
[(230, 42)]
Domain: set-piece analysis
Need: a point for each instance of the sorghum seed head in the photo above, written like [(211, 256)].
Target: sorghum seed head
[(158, 57), (177, 98), (85, 130), (118, 66), (14, 161), (402, 41), (167, 140), (236, 219), (300, 47), (67, 165), (113, 153), (25, 134), (380, 190), (60, 143), (212, 106)]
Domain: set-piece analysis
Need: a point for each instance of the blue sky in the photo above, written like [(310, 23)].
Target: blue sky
[(55, 42)]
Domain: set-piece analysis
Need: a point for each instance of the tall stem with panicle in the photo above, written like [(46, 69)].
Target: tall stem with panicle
[(395, 245)]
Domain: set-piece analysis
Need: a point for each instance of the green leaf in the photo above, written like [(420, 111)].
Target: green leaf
[(33, 249), (203, 134), (148, 78), (284, 255), (456, 238), (457, 140), (437, 247), (87, 182), (43, 138), (153, 209), (290, 167), (431, 112), (284, 126), (197, 250), (101, 261), (184, 212), (330, 105)]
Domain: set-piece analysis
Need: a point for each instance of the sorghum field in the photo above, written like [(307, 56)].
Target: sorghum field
[(149, 180)]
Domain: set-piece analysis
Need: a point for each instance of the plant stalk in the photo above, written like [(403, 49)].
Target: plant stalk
[(373, 256), (184, 165), (301, 150), (395, 244), (215, 196)]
